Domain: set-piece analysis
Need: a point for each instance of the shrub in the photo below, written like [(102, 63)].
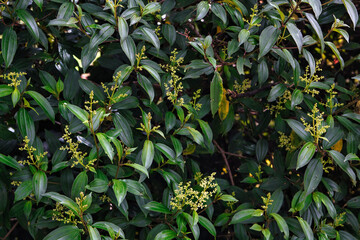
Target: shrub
[(179, 119)]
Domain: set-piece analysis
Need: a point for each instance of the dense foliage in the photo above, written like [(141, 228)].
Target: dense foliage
[(179, 119)]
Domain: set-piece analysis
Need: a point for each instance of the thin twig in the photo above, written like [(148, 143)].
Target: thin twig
[(234, 154), (11, 230), (226, 162)]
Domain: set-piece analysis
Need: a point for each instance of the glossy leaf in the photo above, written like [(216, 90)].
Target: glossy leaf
[(8, 46), (306, 154), (43, 103), (120, 190)]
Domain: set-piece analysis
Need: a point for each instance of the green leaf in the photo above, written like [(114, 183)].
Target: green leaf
[(348, 125), (15, 97), (198, 138), (261, 149), (206, 130), (277, 197), (337, 54), (170, 121), (30, 23), (26, 124), (120, 190), (242, 215), (340, 161), (147, 86), (24, 190), (151, 37), (5, 90), (43, 103), (206, 223), (316, 6), (328, 204), (8, 46), (68, 202), (129, 48), (351, 157), (219, 11), (228, 198), (306, 154), (9, 161), (194, 227), (151, 7), (296, 35), (263, 72), (243, 36), (94, 233), (65, 11), (268, 38), (281, 224), (68, 232), (354, 202), (216, 90), (167, 151), (105, 32), (39, 3), (299, 129), (333, 135), (317, 29), (169, 33), (80, 113), (306, 229), (153, 73), (123, 28), (201, 10), (352, 11), (310, 59), (313, 175), (138, 167), (277, 91), (98, 185), (79, 184), (166, 235), (157, 207), (40, 184), (296, 98), (106, 145), (147, 155), (126, 134), (88, 55), (110, 227)]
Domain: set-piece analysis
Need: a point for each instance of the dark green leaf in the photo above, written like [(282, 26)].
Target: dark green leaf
[(299, 129), (268, 38), (120, 190), (206, 223), (306, 154), (69, 203), (216, 90), (147, 155), (201, 10), (157, 207), (40, 184), (166, 235), (276, 92), (8, 46), (306, 229), (296, 35), (79, 184), (313, 175), (317, 29), (26, 124), (44, 104), (64, 233), (352, 11), (281, 224), (9, 161), (106, 145), (219, 11), (29, 21)]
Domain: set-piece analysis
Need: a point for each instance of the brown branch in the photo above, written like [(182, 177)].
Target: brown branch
[(226, 162), (10, 231)]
